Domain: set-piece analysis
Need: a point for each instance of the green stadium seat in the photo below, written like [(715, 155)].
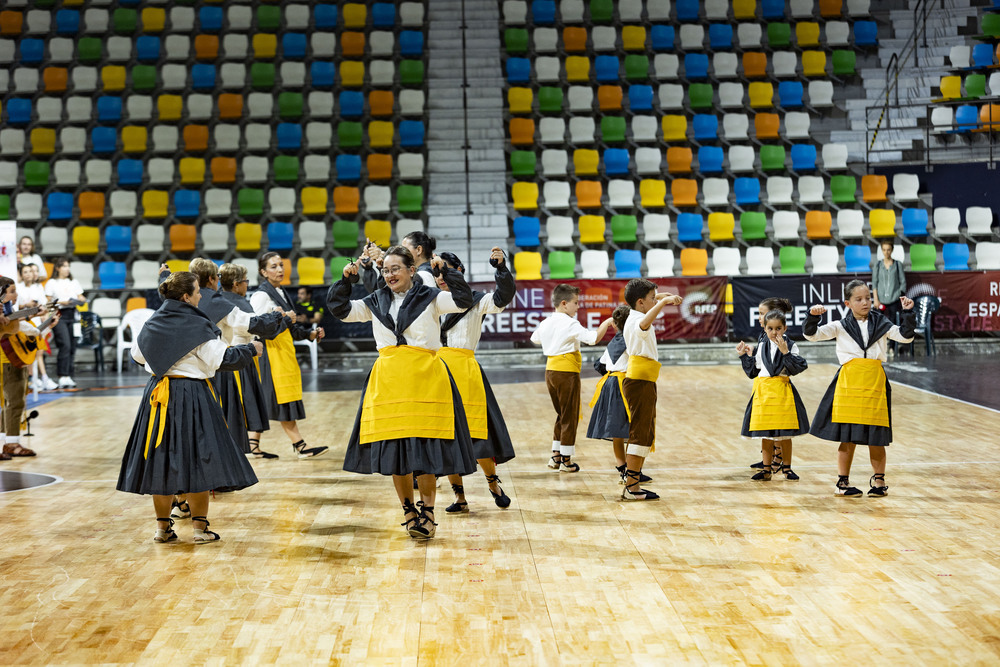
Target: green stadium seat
[(262, 76), (522, 163), (623, 228), (36, 174), (290, 105), (337, 265), (700, 95), (843, 189), (124, 21), (250, 201), (349, 134), (515, 40), (409, 198), (345, 235), (843, 62), (612, 129), (753, 225), (792, 259), (144, 78), (550, 100), (636, 67), (286, 168), (779, 35), (923, 257), (89, 49), (269, 18), (601, 11), (562, 265), (772, 158), (4, 207), (411, 72)]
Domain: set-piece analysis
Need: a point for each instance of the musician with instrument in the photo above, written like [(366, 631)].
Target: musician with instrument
[(31, 293), (68, 294)]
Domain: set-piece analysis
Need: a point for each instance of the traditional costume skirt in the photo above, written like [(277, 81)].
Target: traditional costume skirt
[(410, 419), (487, 428), (281, 380), (180, 442), (609, 419), (857, 407), (243, 402), (775, 410)]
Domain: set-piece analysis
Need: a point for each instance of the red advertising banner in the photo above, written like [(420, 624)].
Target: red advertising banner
[(701, 315), (970, 301)]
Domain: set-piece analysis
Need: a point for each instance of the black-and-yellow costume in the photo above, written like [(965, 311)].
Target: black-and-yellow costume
[(280, 375), (609, 418), (775, 410)]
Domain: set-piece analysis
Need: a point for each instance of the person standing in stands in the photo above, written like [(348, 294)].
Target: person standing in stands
[(68, 294), (888, 284)]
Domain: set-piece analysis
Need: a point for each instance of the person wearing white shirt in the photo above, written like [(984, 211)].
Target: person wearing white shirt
[(26, 255), (31, 293), (856, 409), (560, 336), (68, 295), (609, 418)]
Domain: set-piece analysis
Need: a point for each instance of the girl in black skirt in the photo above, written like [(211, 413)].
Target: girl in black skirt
[(410, 421), (180, 444)]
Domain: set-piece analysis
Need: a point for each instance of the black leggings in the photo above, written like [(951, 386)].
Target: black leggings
[(65, 342)]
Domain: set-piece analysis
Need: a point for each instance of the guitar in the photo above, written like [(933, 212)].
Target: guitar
[(21, 348), (14, 325)]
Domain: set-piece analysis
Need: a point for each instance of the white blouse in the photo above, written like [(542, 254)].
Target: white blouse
[(639, 343), (847, 349), (63, 289), (425, 331), (469, 330), (37, 261), (262, 303), (561, 334), (619, 366), (234, 327), (28, 293), (201, 363), (759, 358)]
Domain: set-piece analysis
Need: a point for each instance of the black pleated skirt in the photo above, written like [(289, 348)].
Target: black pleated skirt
[(824, 427), (282, 412), (609, 420), (420, 456), (778, 434), (497, 445), (197, 452)]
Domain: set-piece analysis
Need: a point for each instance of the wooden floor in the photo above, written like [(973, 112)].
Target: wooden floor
[(314, 568)]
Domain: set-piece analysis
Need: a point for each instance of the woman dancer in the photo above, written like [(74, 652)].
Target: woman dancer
[(460, 334), (180, 443), (280, 374), (421, 246), (410, 421)]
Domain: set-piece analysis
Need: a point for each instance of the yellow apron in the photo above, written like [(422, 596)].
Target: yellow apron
[(642, 368), (285, 373), (469, 379), (571, 362), (859, 397), (773, 406), (408, 396), (620, 375), (159, 399)]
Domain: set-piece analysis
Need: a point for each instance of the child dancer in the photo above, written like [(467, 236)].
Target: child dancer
[(639, 387), (766, 306), (775, 412), (857, 407), (410, 421), (560, 335), (180, 443), (460, 334), (609, 419)]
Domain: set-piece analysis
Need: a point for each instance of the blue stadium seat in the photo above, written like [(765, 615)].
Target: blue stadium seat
[(689, 227), (640, 98), (280, 235), (203, 76), (103, 140), (352, 104), (411, 43), (866, 34), (518, 70), (67, 22), (706, 127), (187, 204), (772, 10), (543, 12), (526, 232), (210, 19), (616, 161), (325, 17), (383, 15), (628, 264), (111, 275), (147, 48), (687, 10), (662, 37), (747, 190), (982, 54), (696, 66), (348, 168), (720, 36), (790, 94), (956, 256), (289, 136), (109, 109), (130, 172), (323, 75), (411, 133), (60, 205), (857, 259), (32, 51), (18, 111), (118, 240), (914, 222), (293, 45), (966, 118), (606, 69), (710, 159), (803, 157)]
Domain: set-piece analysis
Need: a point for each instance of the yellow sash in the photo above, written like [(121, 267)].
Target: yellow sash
[(642, 368), (159, 400), (620, 375), (239, 392), (469, 379), (773, 407), (285, 373), (571, 362), (408, 396), (860, 394)]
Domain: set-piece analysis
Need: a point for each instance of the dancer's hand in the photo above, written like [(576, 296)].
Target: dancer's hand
[(742, 349), (817, 310), (906, 302), (258, 347)]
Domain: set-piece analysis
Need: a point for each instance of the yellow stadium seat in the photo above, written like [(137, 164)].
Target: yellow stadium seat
[(177, 265), (653, 193), (520, 100), (153, 19), (265, 46), (379, 231), (311, 270), (684, 192), (247, 235), (380, 134), (761, 95), (592, 228), (134, 139), (355, 15), (315, 201), (882, 222), (694, 262), (169, 107), (729, 299), (675, 128), (951, 87), (43, 141), (577, 69), (352, 73), (585, 161), (192, 170), (113, 77), (807, 34), (814, 63), (634, 38), (720, 226), (155, 203), (525, 196), (86, 240), (744, 10), (134, 302), (528, 266)]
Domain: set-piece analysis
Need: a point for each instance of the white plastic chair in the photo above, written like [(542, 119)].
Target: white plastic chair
[(724, 65), (960, 56), (313, 348), (647, 160), (838, 33), (546, 40), (850, 223), (594, 263), (552, 131), (811, 189), (554, 162), (978, 221), (760, 261), (559, 231), (987, 256), (946, 221), (785, 225), (644, 129), (656, 229), (621, 194), (741, 158), (834, 157), (731, 95), (726, 261), (825, 259), (555, 194), (905, 187), (715, 192), (671, 96), (797, 125), (735, 127), (659, 262), (604, 38), (779, 190)]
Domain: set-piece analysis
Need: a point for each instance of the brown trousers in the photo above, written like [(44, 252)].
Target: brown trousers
[(15, 382), (564, 389), (640, 395)]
